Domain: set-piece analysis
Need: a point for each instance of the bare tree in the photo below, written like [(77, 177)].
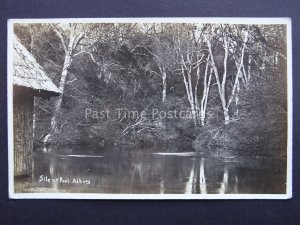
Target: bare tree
[(74, 37), (161, 50), (191, 56), (189, 60), (227, 43), (205, 92)]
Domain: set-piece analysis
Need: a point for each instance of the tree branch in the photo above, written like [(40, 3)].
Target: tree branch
[(60, 37)]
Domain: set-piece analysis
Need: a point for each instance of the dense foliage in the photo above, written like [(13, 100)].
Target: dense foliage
[(231, 79)]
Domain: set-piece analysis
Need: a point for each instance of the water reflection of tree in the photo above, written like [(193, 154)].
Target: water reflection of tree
[(141, 173), (197, 181), (203, 180)]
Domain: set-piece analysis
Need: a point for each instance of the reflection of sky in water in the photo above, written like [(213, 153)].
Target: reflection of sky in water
[(138, 172)]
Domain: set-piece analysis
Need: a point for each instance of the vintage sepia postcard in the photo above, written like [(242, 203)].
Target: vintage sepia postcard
[(150, 108)]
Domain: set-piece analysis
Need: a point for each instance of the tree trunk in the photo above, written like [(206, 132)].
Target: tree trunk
[(226, 116), (222, 86), (164, 79), (192, 99), (249, 69), (206, 86), (64, 75), (237, 99), (202, 117), (190, 95), (73, 42), (194, 112)]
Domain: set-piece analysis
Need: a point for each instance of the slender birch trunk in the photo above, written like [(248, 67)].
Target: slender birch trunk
[(249, 69), (206, 87), (222, 85), (192, 98), (243, 76), (246, 72), (187, 79), (57, 106), (198, 109), (237, 99), (164, 83), (73, 42), (241, 63)]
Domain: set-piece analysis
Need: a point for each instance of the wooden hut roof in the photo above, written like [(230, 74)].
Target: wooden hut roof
[(29, 74)]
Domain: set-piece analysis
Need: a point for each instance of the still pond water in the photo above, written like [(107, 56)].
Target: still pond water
[(153, 172)]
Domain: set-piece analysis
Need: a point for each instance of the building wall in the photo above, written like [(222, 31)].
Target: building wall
[(23, 134)]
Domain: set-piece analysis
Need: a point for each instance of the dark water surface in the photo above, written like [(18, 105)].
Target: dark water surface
[(138, 172)]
